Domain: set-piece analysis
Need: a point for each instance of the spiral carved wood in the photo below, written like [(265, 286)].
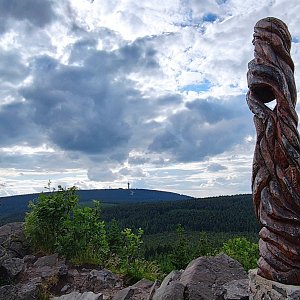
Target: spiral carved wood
[(276, 163)]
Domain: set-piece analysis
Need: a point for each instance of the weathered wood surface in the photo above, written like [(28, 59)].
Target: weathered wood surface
[(276, 163)]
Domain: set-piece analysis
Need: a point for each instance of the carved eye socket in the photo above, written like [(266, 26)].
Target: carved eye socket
[(263, 93)]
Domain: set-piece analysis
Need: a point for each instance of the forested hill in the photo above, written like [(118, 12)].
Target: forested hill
[(214, 214), (14, 207)]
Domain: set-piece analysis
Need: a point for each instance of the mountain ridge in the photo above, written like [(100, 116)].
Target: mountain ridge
[(18, 204)]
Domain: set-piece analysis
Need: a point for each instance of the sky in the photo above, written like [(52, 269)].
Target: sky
[(100, 93)]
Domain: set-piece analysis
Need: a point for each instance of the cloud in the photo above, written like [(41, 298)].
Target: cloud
[(12, 70), (132, 88), (205, 128), (33, 12), (215, 167), (100, 174), (82, 106)]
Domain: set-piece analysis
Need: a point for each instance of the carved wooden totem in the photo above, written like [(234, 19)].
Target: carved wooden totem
[(276, 163)]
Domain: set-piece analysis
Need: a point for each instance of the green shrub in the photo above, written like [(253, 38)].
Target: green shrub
[(44, 223), (56, 223), (180, 256), (83, 239), (244, 251)]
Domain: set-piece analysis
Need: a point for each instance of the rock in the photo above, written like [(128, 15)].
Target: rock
[(264, 289), (202, 279), (142, 290), (172, 291), (12, 266), (101, 279), (205, 276), (125, 294), (236, 290), (80, 296), (143, 284), (49, 261), (173, 276), (29, 259), (13, 241), (27, 291), (46, 267)]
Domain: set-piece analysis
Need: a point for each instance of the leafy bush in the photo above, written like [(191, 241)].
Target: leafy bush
[(56, 223), (244, 251), (44, 223), (84, 236)]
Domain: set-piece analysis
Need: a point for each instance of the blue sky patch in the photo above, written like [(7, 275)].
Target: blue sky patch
[(295, 39), (210, 17), (204, 86)]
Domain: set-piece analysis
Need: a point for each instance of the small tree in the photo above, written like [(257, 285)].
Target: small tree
[(204, 246), (44, 223), (244, 251), (56, 223), (84, 236), (180, 256), (114, 237)]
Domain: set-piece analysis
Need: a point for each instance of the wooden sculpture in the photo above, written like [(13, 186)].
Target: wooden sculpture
[(276, 163)]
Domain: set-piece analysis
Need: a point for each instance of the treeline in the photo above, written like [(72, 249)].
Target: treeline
[(215, 214)]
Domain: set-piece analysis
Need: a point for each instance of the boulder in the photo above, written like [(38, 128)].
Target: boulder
[(12, 241), (12, 266), (26, 291), (236, 290), (80, 296), (203, 279), (265, 289), (99, 280), (142, 290)]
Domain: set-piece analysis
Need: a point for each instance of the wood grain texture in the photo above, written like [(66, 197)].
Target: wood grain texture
[(276, 163)]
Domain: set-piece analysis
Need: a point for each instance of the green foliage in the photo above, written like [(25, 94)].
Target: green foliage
[(244, 251), (44, 223), (56, 223), (114, 237), (131, 244), (204, 246), (84, 236), (180, 256)]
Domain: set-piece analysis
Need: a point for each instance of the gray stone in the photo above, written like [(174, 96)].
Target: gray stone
[(173, 276), (13, 266), (12, 241), (27, 291), (80, 296), (29, 259), (49, 261), (264, 289), (203, 279), (125, 294), (98, 280), (236, 290), (173, 291), (143, 284), (205, 276)]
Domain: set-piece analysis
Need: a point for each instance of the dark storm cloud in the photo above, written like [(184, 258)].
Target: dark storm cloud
[(84, 106), (36, 12), (204, 128)]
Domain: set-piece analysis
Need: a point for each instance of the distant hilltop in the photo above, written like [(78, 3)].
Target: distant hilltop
[(17, 205)]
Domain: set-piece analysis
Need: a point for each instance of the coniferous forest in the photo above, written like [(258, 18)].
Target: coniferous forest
[(168, 233)]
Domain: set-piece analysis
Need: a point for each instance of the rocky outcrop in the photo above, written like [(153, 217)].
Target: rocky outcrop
[(24, 276), (265, 289), (206, 278)]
